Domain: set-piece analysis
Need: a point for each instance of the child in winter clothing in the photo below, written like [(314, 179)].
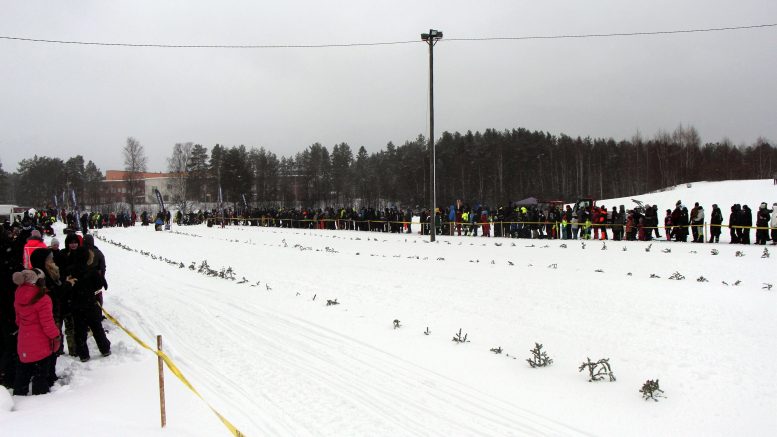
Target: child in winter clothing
[(39, 337)]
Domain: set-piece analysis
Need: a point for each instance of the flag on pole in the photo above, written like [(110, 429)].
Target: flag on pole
[(159, 199), (76, 215)]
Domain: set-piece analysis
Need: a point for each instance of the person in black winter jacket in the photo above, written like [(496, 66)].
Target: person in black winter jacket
[(716, 219), (89, 244), (65, 260), (733, 222), (746, 221), (86, 313), (680, 222), (654, 220), (762, 223), (10, 262)]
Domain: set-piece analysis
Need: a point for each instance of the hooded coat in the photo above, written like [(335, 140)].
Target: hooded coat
[(38, 334), (58, 288), (762, 216), (34, 243)]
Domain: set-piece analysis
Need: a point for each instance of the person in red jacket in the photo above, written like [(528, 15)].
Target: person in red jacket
[(603, 222), (34, 242), (38, 336)]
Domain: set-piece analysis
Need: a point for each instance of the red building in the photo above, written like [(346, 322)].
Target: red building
[(115, 189)]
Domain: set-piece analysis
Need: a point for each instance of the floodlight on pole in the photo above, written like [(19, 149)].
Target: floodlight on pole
[(431, 39)]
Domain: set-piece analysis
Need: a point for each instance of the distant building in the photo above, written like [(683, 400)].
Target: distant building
[(115, 188)]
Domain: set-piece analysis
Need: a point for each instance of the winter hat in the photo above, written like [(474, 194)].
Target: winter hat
[(71, 238), (54, 242), (88, 241), (678, 203), (27, 276), (763, 205), (36, 234), (39, 256)]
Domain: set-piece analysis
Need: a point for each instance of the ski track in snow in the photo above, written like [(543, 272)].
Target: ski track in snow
[(333, 375), (261, 356), (274, 361)]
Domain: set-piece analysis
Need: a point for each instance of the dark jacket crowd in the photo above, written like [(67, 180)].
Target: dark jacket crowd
[(45, 292), (552, 221)]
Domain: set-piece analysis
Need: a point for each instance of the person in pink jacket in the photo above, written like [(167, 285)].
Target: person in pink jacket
[(38, 336)]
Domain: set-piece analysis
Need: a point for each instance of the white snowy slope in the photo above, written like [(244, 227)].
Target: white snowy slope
[(275, 361)]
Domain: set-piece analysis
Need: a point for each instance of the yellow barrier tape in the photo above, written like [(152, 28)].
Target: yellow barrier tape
[(177, 372)]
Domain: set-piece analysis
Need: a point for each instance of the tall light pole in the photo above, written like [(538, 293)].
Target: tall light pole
[(431, 38)]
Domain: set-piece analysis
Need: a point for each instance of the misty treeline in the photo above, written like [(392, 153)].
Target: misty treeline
[(493, 167), (38, 179)]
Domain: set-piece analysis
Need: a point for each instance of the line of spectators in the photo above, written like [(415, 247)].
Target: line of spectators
[(520, 221), (44, 289)]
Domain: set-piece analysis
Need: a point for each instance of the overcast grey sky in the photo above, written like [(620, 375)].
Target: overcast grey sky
[(65, 100)]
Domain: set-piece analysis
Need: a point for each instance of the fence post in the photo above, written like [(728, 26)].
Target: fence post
[(162, 413)]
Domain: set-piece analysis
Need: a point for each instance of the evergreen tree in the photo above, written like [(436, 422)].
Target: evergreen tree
[(316, 169), (3, 185), (289, 187), (236, 175), (197, 169), (342, 159), (39, 179), (360, 176), (93, 178), (75, 176), (266, 170), (214, 172)]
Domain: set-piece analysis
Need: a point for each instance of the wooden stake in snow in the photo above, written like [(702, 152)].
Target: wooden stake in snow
[(162, 413)]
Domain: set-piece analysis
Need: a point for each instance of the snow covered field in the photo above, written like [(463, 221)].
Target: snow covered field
[(275, 361)]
